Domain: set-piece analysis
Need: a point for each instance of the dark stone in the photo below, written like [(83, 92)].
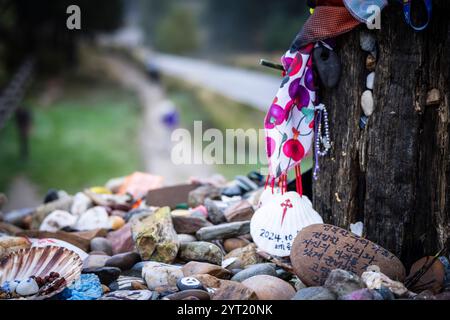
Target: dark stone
[(102, 244), (184, 295), (123, 261), (246, 184), (328, 66), (51, 195), (254, 270), (257, 178), (106, 274), (189, 224), (224, 231)]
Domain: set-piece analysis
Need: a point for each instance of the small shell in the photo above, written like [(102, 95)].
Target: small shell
[(40, 262), (275, 225)]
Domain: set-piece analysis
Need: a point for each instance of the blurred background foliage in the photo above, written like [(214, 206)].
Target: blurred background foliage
[(222, 26)]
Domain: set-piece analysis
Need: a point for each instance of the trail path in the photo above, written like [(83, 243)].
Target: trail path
[(22, 193), (155, 138)]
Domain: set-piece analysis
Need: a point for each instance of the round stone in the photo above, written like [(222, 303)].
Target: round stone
[(254, 270), (367, 103), (27, 287), (101, 244), (313, 270), (269, 287), (198, 294), (369, 80), (189, 283)]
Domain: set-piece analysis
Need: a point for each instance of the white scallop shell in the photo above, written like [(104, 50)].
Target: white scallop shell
[(267, 195), (274, 234), (39, 262)]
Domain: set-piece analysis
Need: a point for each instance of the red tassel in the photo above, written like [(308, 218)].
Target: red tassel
[(272, 184), (267, 182), (298, 180)]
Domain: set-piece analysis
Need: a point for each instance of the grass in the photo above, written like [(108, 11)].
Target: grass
[(215, 111), (83, 138)]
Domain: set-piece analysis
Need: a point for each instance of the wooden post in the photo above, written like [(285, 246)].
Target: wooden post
[(394, 175)]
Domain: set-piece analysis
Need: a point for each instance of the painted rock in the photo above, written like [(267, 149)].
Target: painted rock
[(367, 103), (269, 288), (189, 283), (320, 248)]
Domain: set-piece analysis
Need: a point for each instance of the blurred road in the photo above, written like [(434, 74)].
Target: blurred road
[(248, 87)]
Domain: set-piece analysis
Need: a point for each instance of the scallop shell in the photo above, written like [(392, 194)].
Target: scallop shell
[(275, 225), (39, 262), (267, 195)]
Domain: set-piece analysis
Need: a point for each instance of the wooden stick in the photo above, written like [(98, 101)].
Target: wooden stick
[(270, 64)]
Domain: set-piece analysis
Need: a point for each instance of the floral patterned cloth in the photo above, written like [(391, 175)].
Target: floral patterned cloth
[(289, 123)]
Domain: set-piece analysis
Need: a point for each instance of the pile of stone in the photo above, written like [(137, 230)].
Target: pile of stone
[(192, 242)]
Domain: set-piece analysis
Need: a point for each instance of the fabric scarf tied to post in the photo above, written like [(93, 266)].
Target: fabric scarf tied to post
[(289, 123)]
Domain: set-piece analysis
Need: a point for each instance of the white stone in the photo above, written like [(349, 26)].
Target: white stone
[(367, 103), (370, 79), (57, 220), (95, 218), (357, 228), (158, 274), (27, 288), (81, 203)]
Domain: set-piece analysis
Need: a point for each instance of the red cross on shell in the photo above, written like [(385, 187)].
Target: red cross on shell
[(286, 204)]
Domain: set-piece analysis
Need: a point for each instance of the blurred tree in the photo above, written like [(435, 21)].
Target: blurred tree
[(177, 33), (39, 28), (254, 24)]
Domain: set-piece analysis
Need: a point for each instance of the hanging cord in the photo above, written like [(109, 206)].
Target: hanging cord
[(321, 137)]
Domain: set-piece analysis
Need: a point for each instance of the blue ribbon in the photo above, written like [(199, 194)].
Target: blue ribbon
[(407, 13)]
